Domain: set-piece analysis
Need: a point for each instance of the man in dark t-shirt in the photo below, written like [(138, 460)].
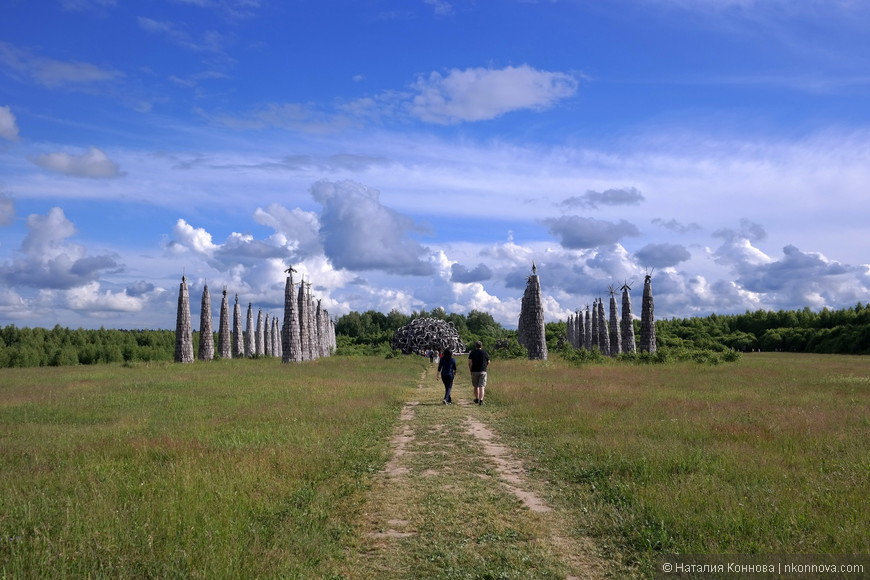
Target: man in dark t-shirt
[(478, 361)]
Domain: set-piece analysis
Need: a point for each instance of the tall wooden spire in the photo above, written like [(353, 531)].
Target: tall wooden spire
[(224, 338), (206, 336), (183, 332), (647, 318), (530, 328), (250, 331), (615, 337), (238, 333), (290, 342), (626, 323)]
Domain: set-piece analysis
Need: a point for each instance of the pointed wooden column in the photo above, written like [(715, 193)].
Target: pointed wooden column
[(302, 308), (258, 334), (587, 329), (250, 331), (238, 335), (321, 330), (312, 323), (569, 330), (603, 335), (626, 324), (595, 336), (183, 332), (530, 328), (331, 335), (615, 339), (224, 338), (290, 347), (276, 338), (267, 335), (647, 318), (206, 336)]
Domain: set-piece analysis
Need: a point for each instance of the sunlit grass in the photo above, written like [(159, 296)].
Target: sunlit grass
[(227, 469), (769, 455), (251, 468)]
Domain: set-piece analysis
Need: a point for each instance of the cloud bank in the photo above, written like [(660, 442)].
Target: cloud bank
[(359, 233)]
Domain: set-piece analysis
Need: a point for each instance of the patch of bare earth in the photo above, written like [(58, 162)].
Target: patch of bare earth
[(510, 470), (440, 450), (580, 555)]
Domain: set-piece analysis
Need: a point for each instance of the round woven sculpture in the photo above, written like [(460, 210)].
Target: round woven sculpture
[(423, 334)]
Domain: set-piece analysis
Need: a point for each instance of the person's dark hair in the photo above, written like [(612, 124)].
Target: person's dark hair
[(448, 354), (478, 344)]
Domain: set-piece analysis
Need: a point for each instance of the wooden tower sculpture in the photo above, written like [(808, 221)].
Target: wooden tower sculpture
[(603, 336), (249, 332), (258, 334), (238, 335), (311, 324), (276, 338), (530, 328), (206, 336), (267, 335), (224, 338), (594, 339), (291, 348), (304, 322), (183, 332), (615, 338), (587, 329), (647, 317), (626, 324)]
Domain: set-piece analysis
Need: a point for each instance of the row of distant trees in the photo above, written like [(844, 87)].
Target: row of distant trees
[(845, 331), (29, 347)]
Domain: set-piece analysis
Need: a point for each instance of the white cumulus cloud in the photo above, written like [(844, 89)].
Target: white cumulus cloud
[(49, 261), (189, 237), (359, 233), (90, 299)]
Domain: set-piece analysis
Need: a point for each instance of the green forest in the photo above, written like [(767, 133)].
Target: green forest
[(845, 331)]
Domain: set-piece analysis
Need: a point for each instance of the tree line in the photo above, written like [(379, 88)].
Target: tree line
[(33, 347), (845, 331)]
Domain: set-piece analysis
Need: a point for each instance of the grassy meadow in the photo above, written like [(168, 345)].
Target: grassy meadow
[(769, 455), (226, 469), (254, 469)]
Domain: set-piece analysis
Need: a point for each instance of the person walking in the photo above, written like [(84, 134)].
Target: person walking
[(478, 361), (447, 370)]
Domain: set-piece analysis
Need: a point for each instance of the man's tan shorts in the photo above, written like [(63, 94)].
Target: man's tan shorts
[(478, 380)]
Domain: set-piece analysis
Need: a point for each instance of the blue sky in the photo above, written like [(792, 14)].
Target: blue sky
[(417, 154)]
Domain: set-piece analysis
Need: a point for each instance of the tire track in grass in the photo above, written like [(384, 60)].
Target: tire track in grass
[(510, 470), (455, 502)]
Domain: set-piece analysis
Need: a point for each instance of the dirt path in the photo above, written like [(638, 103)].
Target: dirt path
[(455, 502)]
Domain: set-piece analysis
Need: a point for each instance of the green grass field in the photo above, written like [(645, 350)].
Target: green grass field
[(230, 469), (770, 455), (254, 469)]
